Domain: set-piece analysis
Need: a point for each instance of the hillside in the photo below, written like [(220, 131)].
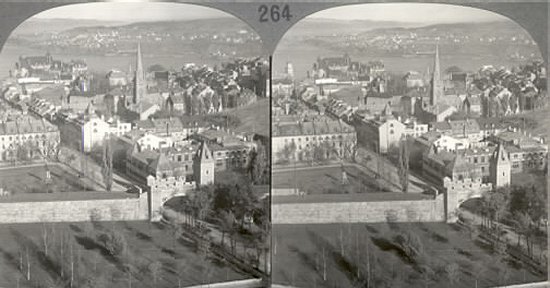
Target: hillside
[(254, 117), (326, 27), (196, 26)]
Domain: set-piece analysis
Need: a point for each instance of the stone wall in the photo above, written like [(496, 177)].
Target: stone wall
[(360, 212), (75, 211)]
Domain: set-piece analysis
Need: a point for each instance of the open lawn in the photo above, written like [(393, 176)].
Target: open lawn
[(370, 253), (325, 180), (147, 243), (536, 122), (348, 94), (32, 179), (254, 117)]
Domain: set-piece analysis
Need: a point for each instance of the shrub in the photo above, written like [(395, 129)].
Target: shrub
[(114, 242)]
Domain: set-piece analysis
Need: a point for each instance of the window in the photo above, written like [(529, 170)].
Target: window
[(391, 131), (475, 160)]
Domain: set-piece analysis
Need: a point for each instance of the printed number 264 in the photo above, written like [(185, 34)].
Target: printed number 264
[(274, 13)]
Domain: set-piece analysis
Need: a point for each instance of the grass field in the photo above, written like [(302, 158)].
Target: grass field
[(537, 122), (298, 253), (147, 243), (32, 179), (348, 94), (254, 117), (325, 180)]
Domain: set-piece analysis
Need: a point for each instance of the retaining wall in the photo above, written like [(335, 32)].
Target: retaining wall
[(75, 211), (359, 212)]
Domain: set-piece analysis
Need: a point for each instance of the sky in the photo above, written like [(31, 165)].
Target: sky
[(410, 12), (132, 12)]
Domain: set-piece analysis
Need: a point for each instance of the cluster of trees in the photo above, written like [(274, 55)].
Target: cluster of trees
[(234, 209), (524, 208), (368, 267), (258, 167), (32, 150), (59, 250), (345, 149)]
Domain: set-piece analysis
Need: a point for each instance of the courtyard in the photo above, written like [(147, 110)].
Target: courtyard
[(326, 180), (32, 179)]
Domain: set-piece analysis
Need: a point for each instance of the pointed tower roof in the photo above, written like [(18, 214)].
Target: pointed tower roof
[(204, 154), (437, 85), (459, 163), (500, 155), (387, 110), (162, 163), (90, 109), (139, 64), (436, 73)]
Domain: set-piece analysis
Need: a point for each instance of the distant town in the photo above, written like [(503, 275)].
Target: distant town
[(157, 144), (354, 143)]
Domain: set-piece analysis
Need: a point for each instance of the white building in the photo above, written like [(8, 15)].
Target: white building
[(93, 130)]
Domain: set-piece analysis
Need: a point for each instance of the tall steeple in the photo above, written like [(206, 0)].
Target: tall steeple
[(139, 80), (437, 84), (500, 167), (203, 166)]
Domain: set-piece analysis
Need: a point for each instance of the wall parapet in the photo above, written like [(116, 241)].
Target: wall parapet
[(359, 212)]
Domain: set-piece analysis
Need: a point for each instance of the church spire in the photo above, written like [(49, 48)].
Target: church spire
[(139, 81), (437, 85)]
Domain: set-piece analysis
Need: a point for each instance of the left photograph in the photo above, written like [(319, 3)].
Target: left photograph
[(134, 149)]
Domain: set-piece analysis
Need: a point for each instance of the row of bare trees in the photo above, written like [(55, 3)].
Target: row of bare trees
[(325, 150)]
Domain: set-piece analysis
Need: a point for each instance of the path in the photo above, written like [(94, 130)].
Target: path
[(510, 237)]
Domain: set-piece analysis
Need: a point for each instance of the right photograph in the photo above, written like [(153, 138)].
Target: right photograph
[(409, 149)]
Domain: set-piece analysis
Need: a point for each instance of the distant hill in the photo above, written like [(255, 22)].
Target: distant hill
[(498, 28), (217, 25), (38, 25), (323, 26)]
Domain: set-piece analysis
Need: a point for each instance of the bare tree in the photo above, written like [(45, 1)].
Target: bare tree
[(427, 275), (155, 268), (227, 223), (71, 262), (28, 264), (324, 265), (107, 168), (45, 238), (453, 272), (403, 165), (478, 270)]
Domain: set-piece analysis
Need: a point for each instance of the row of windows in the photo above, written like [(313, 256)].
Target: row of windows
[(313, 138), (23, 137)]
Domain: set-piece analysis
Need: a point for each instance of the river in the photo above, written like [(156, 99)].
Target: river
[(10, 54), (303, 57)]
